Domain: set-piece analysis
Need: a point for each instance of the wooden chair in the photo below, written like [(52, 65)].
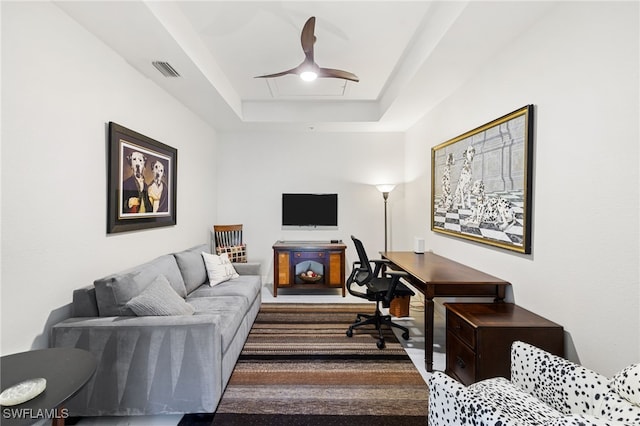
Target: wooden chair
[(227, 235), (228, 239)]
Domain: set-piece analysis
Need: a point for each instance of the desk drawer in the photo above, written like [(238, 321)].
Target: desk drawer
[(461, 361), (308, 254), (461, 329)]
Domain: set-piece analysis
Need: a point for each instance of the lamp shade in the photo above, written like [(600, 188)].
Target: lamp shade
[(387, 187)]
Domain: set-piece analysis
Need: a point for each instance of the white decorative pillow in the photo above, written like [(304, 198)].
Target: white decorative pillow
[(627, 383), (219, 268), (159, 298)]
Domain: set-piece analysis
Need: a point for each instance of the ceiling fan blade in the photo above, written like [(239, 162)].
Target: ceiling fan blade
[(332, 73), (279, 74), (307, 38)]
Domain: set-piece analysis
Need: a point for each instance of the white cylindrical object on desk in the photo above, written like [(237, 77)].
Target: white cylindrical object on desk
[(418, 245)]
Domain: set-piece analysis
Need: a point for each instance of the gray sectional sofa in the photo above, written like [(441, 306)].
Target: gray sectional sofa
[(160, 364)]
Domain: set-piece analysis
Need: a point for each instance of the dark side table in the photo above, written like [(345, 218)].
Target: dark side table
[(480, 335), (66, 370)]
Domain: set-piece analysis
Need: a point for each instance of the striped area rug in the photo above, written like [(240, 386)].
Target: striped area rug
[(298, 367)]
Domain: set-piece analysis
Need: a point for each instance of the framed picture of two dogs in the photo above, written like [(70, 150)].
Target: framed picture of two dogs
[(481, 183), (141, 181)]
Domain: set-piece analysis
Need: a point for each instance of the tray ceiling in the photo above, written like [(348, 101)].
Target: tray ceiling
[(408, 55)]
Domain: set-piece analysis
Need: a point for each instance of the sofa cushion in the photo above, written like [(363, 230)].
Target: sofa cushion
[(227, 309), (250, 268), (627, 383), (158, 298), (113, 293), (115, 290), (497, 400), (192, 267), (164, 265), (247, 286), (219, 268), (84, 302)]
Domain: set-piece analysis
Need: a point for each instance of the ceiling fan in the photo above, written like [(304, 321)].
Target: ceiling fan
[(308, 70)]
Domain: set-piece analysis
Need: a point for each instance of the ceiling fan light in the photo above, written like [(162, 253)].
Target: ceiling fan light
[(308, 75)]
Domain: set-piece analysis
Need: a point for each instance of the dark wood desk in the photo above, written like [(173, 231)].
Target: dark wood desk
[(437, 276)]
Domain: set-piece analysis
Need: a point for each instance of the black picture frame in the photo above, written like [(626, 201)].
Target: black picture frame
[(481, 183), (142, 199)]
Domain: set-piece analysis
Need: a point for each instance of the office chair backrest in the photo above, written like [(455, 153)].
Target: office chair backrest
[(365, 273)]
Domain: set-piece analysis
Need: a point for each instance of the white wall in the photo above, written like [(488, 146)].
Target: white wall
[(60, 86), (255, 169), (579, 66)]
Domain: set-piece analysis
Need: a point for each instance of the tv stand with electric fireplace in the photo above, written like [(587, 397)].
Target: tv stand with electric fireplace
[(303, 265)]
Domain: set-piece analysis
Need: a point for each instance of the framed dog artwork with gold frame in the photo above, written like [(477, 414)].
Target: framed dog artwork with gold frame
[(141, 182), (481, 183)]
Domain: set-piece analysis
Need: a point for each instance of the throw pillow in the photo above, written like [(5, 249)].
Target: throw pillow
[(159, 298), (627, 383), (237, 254), (219, 268)]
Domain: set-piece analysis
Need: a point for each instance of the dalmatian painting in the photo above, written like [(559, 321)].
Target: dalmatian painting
[(141, 190), (480, 185), (144, 182)]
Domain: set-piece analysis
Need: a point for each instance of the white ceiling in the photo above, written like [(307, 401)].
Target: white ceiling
[(408, 55)]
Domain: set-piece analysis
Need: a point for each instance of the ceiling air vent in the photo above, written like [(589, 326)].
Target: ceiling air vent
[(166, 69)]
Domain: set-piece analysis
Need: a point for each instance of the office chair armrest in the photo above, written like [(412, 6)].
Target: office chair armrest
[(395, 280), (357, 267), (380, 264)]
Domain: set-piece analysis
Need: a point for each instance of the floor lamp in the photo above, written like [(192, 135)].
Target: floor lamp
[(385, 189)]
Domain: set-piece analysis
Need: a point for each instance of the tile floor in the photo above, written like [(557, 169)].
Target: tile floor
[(414, 346)]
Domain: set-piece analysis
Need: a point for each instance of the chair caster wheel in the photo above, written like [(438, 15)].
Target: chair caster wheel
[(349, 333), (405, 335), (380, 344)]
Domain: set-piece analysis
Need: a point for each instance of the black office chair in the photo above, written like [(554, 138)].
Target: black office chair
[(381, 289)]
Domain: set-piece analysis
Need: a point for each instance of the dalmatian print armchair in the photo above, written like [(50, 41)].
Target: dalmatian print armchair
[(544, 390)]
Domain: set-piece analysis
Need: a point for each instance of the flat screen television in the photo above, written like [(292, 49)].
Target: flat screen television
[(310, 210)]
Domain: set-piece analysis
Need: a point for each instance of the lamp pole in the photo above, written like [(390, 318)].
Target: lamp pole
[(385, 195), (385, 189)]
